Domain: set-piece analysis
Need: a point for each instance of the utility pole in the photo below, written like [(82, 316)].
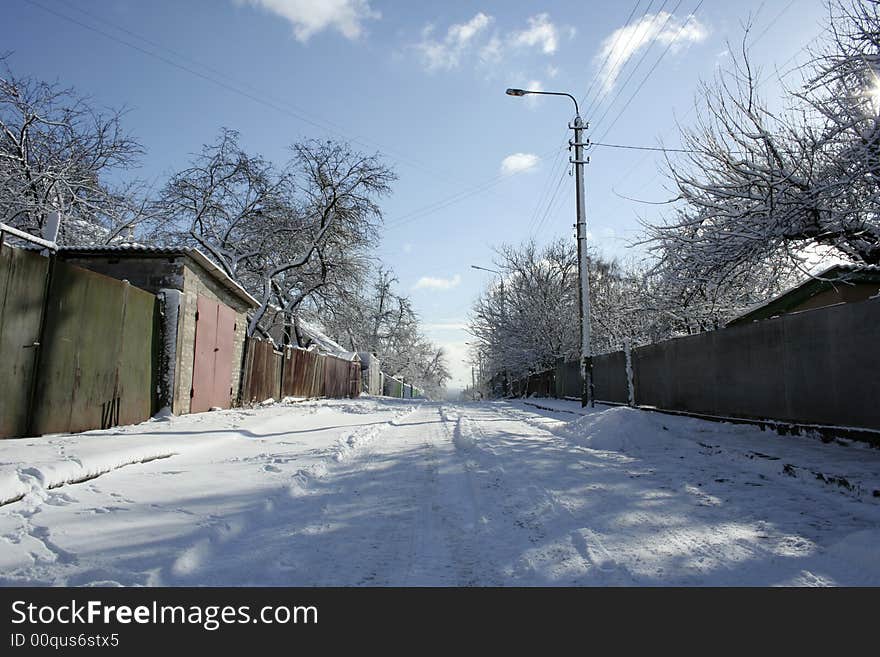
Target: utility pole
[(473, 385), (583, 259), (504, 390)]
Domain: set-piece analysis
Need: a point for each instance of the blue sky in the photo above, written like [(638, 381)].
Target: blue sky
[(423, 84)]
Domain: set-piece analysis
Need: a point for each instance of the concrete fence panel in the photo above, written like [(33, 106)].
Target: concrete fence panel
[(819, 366), (609, 377)]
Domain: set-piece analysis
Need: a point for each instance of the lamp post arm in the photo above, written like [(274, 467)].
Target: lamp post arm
[(577, 110)]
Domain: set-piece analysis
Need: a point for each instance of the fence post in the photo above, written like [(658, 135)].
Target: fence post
[(630, 387)]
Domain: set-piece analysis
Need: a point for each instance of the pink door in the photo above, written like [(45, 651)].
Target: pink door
[(212, 363), (223, 356)]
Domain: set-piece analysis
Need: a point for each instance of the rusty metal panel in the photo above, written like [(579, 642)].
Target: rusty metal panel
[(23, 276), (97, 361), (138, 362)]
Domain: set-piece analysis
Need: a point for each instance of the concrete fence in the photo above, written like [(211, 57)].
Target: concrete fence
[(816, 367)]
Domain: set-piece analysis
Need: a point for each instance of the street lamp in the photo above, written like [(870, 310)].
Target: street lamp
[(503, 317), (583, 262)]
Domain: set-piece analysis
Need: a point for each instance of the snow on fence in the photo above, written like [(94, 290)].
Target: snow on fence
[(296, 372), (815, 367), (78, 350)]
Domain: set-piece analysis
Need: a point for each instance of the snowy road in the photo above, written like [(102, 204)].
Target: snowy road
[(382, 492)]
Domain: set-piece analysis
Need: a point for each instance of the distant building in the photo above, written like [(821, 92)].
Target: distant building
[(204, 318), (371, 373), (837, 284)]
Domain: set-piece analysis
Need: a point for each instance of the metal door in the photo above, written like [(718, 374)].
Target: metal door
[(222, 396), (212, 362)]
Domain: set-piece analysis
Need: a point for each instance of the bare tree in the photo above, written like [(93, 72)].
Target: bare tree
[(535, 321), (763, 194), (843, 88), (289, 234), (55, 152), (377, 319)]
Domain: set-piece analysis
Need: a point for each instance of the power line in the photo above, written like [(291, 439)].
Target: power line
[(550, 204), (598, 73), (644, 148), (222, 80), (453, 199), (560, 158), (650, 71), (559, 164), (596, 102), (610, 51), (759, 84)]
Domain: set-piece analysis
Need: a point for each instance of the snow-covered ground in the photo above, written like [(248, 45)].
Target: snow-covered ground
[(403, 492)]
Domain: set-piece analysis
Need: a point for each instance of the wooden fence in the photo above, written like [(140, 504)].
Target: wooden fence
[(295, 372)]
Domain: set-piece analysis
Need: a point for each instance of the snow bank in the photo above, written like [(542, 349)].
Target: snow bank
[(17, 482), (622, 429)]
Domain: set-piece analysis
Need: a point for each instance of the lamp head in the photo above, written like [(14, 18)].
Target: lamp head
[(516, 92)]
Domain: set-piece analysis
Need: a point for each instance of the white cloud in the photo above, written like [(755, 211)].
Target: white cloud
[(492, 52), (519, 162), (541, 33), (407, 248), (552, 71), (473, 38), (532, 100), (309, 17), (624, 43), (430, 283), (446, 53)]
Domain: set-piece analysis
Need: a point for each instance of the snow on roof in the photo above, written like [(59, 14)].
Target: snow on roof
[(831, 274), (324, 343), (193, 253)]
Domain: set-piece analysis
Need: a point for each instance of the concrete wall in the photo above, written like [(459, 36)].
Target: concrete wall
[(155, 273), (814, 367), (196, 282), (609, 377), (152, 273)]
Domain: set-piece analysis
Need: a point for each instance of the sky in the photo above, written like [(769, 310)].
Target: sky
[(422, 84)]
